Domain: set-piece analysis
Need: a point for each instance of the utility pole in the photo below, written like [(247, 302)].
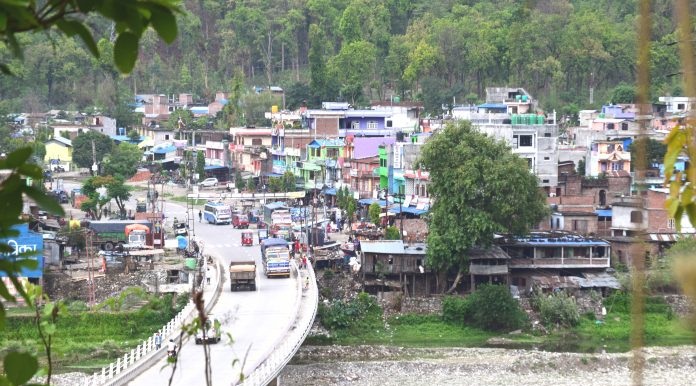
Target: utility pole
[(401, 197)]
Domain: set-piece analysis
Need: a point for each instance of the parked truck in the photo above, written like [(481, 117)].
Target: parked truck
[(109, 234), (242, 273), (281, 224), (275, 254)]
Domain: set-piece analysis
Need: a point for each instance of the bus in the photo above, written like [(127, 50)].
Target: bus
[(217, 213)]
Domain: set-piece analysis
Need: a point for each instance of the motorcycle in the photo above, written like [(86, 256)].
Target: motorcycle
[(171, 354)]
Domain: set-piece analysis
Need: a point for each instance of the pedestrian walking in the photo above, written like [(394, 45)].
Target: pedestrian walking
[(158, 340), (304, 261), (207, 276), (306, 284), (200, 216)]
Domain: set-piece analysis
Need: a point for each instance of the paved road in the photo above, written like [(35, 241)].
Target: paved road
[(256, 320)]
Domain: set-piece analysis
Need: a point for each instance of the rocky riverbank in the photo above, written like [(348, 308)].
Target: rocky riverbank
[(384, 366)]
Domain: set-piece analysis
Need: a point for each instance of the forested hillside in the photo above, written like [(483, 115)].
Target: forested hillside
[(435, 51)]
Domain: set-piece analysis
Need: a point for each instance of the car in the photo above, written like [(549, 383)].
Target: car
[(208, 182)]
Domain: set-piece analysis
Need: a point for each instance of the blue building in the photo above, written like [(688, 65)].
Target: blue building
[(27, 245)]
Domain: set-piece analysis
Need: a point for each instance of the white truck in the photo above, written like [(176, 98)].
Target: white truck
[(275, 254)]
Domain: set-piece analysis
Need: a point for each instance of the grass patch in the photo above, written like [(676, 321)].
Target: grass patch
[(198, 201), (87, 340), (410, 331)]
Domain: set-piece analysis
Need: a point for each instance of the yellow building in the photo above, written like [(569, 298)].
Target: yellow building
[(59, 152)]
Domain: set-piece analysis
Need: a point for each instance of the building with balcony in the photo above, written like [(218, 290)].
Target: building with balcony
[(556, 260), (606, 156)]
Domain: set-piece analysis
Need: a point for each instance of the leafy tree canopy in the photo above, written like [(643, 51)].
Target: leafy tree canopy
[(123, 161), (131, 21), (374, 211), (480, 188), (82, 148)]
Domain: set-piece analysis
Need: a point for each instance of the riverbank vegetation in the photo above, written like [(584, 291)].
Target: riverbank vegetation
[(560, 327), (86, 340)]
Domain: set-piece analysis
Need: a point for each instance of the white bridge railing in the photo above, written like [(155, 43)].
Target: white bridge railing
[(122, 371), (298, 329), (268, 368)]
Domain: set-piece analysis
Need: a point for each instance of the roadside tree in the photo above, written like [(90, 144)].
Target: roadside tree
[(479, 188), (123, 161), (82, 148), (374, 211)]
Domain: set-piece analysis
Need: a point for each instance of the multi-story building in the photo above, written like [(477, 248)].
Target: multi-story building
[(644, 219), (510, 114), (606, 156)]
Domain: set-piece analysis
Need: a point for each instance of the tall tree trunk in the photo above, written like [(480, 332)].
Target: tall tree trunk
[(282, 56), (457, 279)]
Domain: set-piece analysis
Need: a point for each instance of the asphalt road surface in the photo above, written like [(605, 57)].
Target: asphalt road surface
[(255, 321)]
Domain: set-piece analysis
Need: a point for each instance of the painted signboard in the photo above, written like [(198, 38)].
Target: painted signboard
[(28, 243)]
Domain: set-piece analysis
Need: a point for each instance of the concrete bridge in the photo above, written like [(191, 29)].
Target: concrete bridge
[(262, 329)]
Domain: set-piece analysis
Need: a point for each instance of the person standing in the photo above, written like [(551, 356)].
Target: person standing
[(158, 340), (200, 216)]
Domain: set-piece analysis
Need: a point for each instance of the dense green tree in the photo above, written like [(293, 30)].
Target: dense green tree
[(490, 191), (297, 95), (82, 148), (490, 307), (123, 161), (623, 93), (200, 165), (288, 182), (134, 136), (238, 181), (392, 233), (353, 68), (374, 210), (654, 151)]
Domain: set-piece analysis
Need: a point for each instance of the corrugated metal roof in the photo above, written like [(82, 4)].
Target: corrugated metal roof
[(599, 280), (494, 252), (555, 281), (382, 246), (327, 142)]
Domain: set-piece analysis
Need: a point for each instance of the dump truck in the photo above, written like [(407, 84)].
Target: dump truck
[(108, 234), (242, 273)]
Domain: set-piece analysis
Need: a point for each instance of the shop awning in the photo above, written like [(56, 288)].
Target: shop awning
[(410, 210)]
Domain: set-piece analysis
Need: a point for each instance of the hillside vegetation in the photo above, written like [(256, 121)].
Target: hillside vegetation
[(437, 52)]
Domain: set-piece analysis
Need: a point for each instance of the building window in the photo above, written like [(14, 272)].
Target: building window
[(546, 158), (617, 165), (355, 125), (671, 223), (256, 142), (372, 124), (166, 137), (610, 148), (636, 216), (332, 153), (610, 126), (389, 123), (681, 106), (525, 140), (547, 135), (624, 126)]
